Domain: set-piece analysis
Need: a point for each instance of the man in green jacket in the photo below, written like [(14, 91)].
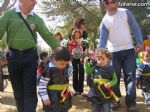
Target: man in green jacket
[(22, 55)]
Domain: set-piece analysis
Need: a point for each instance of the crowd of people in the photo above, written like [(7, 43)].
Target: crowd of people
[(115, 53)]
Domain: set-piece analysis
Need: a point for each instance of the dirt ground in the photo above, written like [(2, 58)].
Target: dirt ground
[(80, 104)]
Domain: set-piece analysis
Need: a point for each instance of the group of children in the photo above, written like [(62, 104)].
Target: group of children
[(54, 81), (54, 75)]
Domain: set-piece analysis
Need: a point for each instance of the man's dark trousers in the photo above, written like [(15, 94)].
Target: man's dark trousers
[(22, 68)]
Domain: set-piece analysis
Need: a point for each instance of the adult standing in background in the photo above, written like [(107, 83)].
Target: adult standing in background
[(79, 23), (58, 36), (115, 31), (76, 50), (22, 55)]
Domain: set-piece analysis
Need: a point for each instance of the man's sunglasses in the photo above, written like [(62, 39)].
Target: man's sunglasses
[(112, 2)]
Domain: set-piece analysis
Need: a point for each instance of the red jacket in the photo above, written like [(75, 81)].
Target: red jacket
[(72, 45)]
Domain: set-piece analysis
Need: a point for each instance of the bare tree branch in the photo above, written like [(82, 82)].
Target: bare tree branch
[(4, 6), (80, 5), (12, 4)]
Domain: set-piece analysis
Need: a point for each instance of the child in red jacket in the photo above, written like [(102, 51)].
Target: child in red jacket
[(76, 50), (44, 59)]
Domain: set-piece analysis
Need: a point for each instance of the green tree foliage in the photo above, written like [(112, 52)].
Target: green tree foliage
[(69, 10), (93, 12)]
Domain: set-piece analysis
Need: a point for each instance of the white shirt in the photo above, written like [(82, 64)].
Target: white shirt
[(17, 9), (119, 31)]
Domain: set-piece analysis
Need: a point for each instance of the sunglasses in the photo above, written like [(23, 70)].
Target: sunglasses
[(112, 2)]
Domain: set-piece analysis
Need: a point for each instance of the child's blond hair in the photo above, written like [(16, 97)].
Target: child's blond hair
[(102, 51)]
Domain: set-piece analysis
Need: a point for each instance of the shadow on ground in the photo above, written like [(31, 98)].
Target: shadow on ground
[(7, 101), (7, 98), (80, 104), (11, 110)]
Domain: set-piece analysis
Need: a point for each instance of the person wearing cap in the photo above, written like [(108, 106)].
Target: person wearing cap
[(115, 34), (21, 25)]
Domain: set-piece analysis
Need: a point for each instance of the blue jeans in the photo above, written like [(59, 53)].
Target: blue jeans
[(101, 107), (23, 69), (126, 60)]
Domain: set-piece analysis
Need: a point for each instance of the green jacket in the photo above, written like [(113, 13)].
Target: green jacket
[(18, 35), (89, 70)]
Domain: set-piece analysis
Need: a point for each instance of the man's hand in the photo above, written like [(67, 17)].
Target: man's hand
[(139, 47), (47, 102)]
